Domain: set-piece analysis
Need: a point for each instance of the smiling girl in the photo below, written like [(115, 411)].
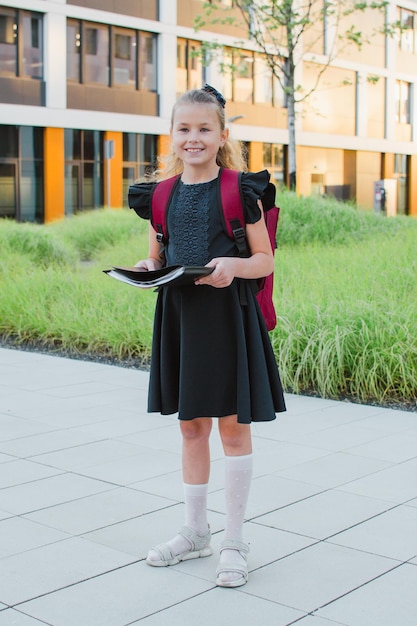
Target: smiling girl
[(211, 353)]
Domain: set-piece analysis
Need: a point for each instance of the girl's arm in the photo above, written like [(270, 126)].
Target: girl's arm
[(259, 264), (154, 261)]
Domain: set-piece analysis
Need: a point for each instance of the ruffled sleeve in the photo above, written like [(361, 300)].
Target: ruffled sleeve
[(139, 198), (256, 186)]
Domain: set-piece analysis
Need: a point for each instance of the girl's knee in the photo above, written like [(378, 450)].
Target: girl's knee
[(236, 438), (198, 428)]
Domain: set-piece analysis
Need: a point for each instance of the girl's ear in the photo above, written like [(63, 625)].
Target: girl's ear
[(224, 137)]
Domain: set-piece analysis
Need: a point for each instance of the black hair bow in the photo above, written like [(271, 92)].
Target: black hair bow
[(220, 99)]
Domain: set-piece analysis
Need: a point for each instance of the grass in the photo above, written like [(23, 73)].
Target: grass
[(347, 319), (345, 291)]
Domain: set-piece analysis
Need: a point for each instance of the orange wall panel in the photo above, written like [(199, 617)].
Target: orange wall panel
[(54, 186), (388, 166), (116, 171), (413, 186)]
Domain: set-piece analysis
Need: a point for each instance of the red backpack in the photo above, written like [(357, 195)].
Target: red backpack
[(234, 222)]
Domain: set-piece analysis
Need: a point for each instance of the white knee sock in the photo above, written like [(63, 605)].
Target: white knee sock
[(195, 497), (238, 476)]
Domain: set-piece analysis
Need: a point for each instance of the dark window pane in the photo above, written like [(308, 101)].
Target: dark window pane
[(91, 142), (31, 191), (7, 190), (128, 179), (31, 142), (72, 190), (8, 141), (92, 196), (8, 41), (267, 154), (32, 62), (73, 50), (147, 148), (72, 144), (129, 147), (88, 186)]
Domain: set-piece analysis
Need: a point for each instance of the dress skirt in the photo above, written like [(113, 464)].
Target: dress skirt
[(212, 356)]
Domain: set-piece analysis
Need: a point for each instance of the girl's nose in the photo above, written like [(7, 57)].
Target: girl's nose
[(193, 135)]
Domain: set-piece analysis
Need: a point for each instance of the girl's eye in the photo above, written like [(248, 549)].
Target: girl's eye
[(205, 130)]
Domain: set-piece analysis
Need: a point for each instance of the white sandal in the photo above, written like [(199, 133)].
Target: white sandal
[(228, 567), (199, 547)]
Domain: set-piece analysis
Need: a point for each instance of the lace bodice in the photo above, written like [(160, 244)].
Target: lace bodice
[(188, 223)]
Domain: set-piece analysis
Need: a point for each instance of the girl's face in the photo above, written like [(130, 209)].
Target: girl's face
[(197, 135)]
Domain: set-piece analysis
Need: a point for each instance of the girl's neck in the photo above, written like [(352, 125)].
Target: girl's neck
[(192, 176)]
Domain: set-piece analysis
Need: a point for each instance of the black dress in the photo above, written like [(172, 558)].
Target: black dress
[(211, 353)]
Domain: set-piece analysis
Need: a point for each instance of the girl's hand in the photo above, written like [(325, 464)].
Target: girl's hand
[(149, 264), (223, 274)]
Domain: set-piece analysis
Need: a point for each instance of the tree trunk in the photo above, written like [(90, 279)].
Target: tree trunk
[(292, 164)]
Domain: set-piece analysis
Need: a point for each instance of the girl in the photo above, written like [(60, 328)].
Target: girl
[(211, 354)]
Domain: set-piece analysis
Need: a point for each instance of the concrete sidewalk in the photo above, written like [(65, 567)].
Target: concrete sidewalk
[(89, 481)]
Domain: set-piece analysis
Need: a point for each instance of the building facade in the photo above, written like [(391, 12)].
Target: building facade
[(87, 88)]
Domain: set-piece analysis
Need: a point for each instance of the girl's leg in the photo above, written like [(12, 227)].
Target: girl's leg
[(237, 445), (196, 471)]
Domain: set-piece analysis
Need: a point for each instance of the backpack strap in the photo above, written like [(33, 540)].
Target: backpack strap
[(232, 209), (160, 200)]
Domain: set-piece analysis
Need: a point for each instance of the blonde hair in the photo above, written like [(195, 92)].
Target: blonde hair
[(231, 155)]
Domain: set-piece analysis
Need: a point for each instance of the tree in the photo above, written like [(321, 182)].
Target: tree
[(287, 32)]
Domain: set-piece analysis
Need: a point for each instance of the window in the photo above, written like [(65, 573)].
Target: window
[(8, 42), (139, 158), (83, 170), (124, 59), (243, 77), (190, 70), (21, 43), (401, 174), (9, 141), (32, 46), (147, 61), (227, 69), (402, 102), (31, 173), (274, 161), (21, 173), (182, 77), (195, 66), (263, 81), (96, 41), (330, 19), (74, 51), (111, 56), (408, 30)]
